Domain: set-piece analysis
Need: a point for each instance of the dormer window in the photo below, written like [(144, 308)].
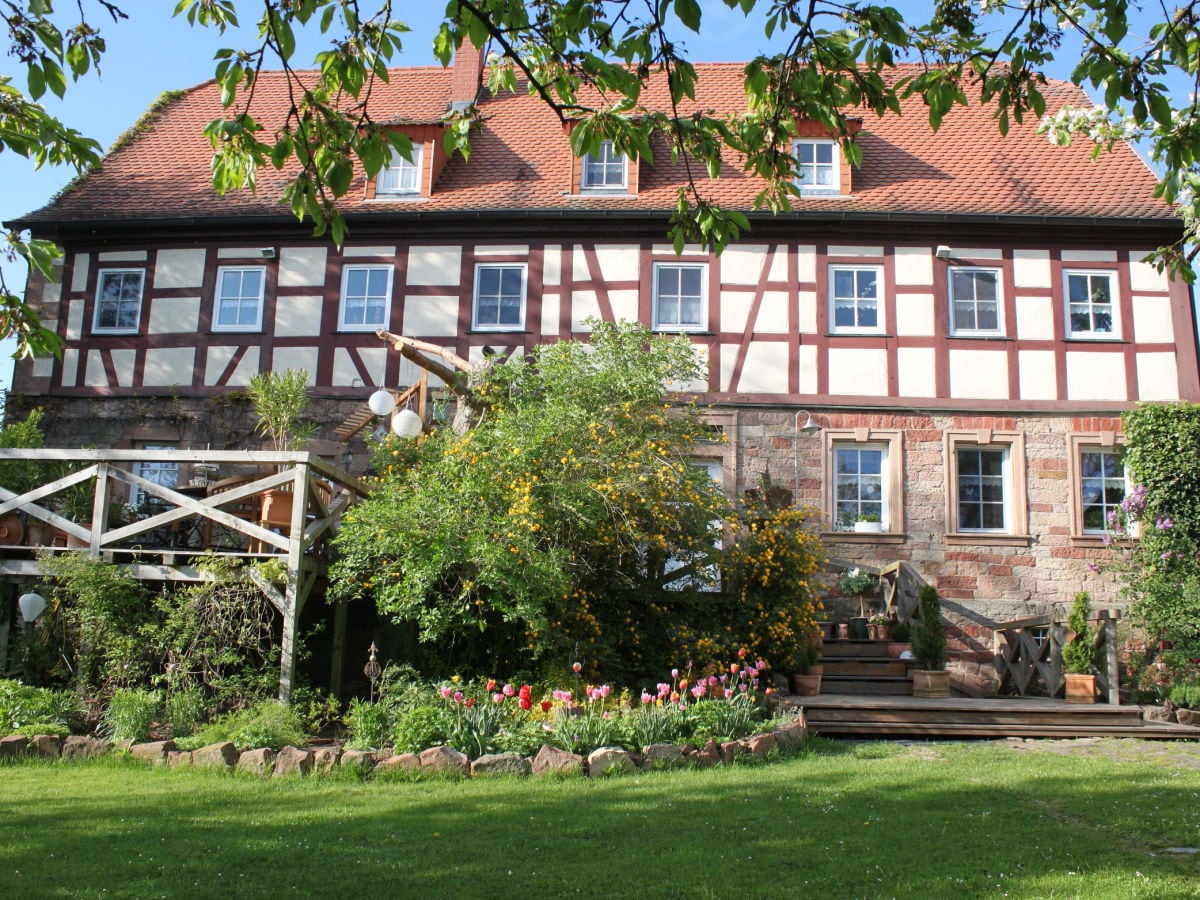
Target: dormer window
[(604, 170), (401, 177), (818, 167)]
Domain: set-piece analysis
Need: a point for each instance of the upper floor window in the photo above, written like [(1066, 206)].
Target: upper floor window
[(975, 301), (818, 168), (679, 296), (400, 176), (603, 170), (366, 298), (239, 298), (1091, 305), (499, 297), (855, 296), (118, 300)]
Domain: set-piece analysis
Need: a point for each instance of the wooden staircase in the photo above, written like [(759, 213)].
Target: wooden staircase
[(863, 667)]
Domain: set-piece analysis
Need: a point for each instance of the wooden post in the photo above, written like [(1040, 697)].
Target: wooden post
[(1114, 670), (1055, 682), (293, 599), (339, 649)]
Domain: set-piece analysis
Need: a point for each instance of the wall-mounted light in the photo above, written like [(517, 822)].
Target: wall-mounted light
[(943, 251), (809, 427), (267, 252)]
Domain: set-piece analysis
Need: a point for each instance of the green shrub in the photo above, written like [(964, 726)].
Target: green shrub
[(421, 727), (929, 636), (186, 711), (131, 714), (268, 723), (23, 706), (1185, 694), (724, 720), (901, 632), (1079, 653), (370, 724)]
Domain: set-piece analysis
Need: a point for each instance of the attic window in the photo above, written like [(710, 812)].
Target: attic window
[(818, 166), (604, 170), (401, 176)]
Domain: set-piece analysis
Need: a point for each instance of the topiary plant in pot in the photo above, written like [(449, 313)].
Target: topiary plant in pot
[(929, 647), (1079, 653)]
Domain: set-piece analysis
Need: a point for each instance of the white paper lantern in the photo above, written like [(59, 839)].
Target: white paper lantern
[(382, 402), (32, 605), (406, 424)]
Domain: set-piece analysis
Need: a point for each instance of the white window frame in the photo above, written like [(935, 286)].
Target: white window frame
[(101, 275), (392, 178), (365, 325), (657, 317), (883, 476), (476, 324), (219, 298), (605, 162), (1091, 334), (707, 579), (808, 172), (1005, 476), (1079, 444), (954, 300), (891, 441), (835, 328)]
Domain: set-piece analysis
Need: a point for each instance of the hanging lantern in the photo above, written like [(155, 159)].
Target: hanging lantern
[(382, 402), (32, 605), (406, 424)]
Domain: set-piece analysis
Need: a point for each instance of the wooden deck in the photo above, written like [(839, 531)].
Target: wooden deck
[(861, 716)]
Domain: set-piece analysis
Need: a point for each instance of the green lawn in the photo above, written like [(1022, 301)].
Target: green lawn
[(869, 820)]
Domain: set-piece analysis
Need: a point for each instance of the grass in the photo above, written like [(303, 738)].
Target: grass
[(869, 820)]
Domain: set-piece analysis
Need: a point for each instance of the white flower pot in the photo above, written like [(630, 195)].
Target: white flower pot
[(868, 527)]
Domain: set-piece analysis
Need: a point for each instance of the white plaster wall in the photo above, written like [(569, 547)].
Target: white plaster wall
[(298, 316), (808, 359), (854, 250), (75, 320), (295, 358), (806, 264), (1031, 268), (70, 367), (52, 291), (916, 368), (174, 315), (1157, 376), (773, 313), (179, 268), (302, 266), (1035, 318), (123, 256), (1037, 373), (240, 253), (1095, 376), (344, 370), (79, 272), (743, 264), (502, 250), (431, 316), (1152, 320), (93, 373), (976, 253), (550, 312), (914, 265), (552, 265), (858, 371), (729, 354), (434, 265), (1073, 256), (123, 362), (583, 306), (766, 368), (1144, 277), (779, 265), (218, 359), (166, 367), (807, 318), (735, 310), (688, 250), (979, 374), (625, 305), (579, 264), (381, 250), (698, 385), (43, 367), (914, 314)]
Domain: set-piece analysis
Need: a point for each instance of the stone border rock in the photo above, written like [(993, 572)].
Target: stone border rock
[(443, 761)]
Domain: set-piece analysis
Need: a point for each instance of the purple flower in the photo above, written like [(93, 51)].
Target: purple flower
[(1135, 501), (1165, 557), (1162, 523), (1093, 567), (1107, 539)]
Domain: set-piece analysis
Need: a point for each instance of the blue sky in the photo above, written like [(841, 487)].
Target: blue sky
[(152, 52)]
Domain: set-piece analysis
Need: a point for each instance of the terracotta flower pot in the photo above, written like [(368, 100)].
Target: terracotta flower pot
[(1080, 688), (808, 685), (895, 648)]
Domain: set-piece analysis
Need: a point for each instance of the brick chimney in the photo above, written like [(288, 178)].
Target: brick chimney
[(466, 73)]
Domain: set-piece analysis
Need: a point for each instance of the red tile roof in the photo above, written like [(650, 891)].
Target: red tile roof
[(521, 161)]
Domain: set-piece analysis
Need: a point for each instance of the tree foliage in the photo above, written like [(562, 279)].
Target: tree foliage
[(590, 61)]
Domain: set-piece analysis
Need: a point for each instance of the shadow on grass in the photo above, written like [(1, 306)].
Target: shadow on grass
[(840, 820)]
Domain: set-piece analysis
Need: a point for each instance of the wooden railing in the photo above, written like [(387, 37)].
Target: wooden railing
[(1029, 656)]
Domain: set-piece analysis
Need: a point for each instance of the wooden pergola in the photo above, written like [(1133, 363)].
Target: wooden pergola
[(250, 513)]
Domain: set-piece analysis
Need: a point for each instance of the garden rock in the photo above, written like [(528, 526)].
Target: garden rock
[(662, 756), (48, 745), (761, 744), (1188, 717), (1158, 714), (179, 759), (257, 762), (794, 734), (555, 759), (500, 764), (223, 755), (152, 752), (325, 758), (446, 759), (13, 746), (356, 759), (609, 761), (399, 762), (709, 754), (293, 761), (731, 750), (79, 746)]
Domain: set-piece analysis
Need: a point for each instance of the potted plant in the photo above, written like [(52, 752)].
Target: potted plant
[(279, 400), (901, 633), (879, 627), (857, 583), (929, 646), (806, 674), (868, 522), (1079, 653)]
